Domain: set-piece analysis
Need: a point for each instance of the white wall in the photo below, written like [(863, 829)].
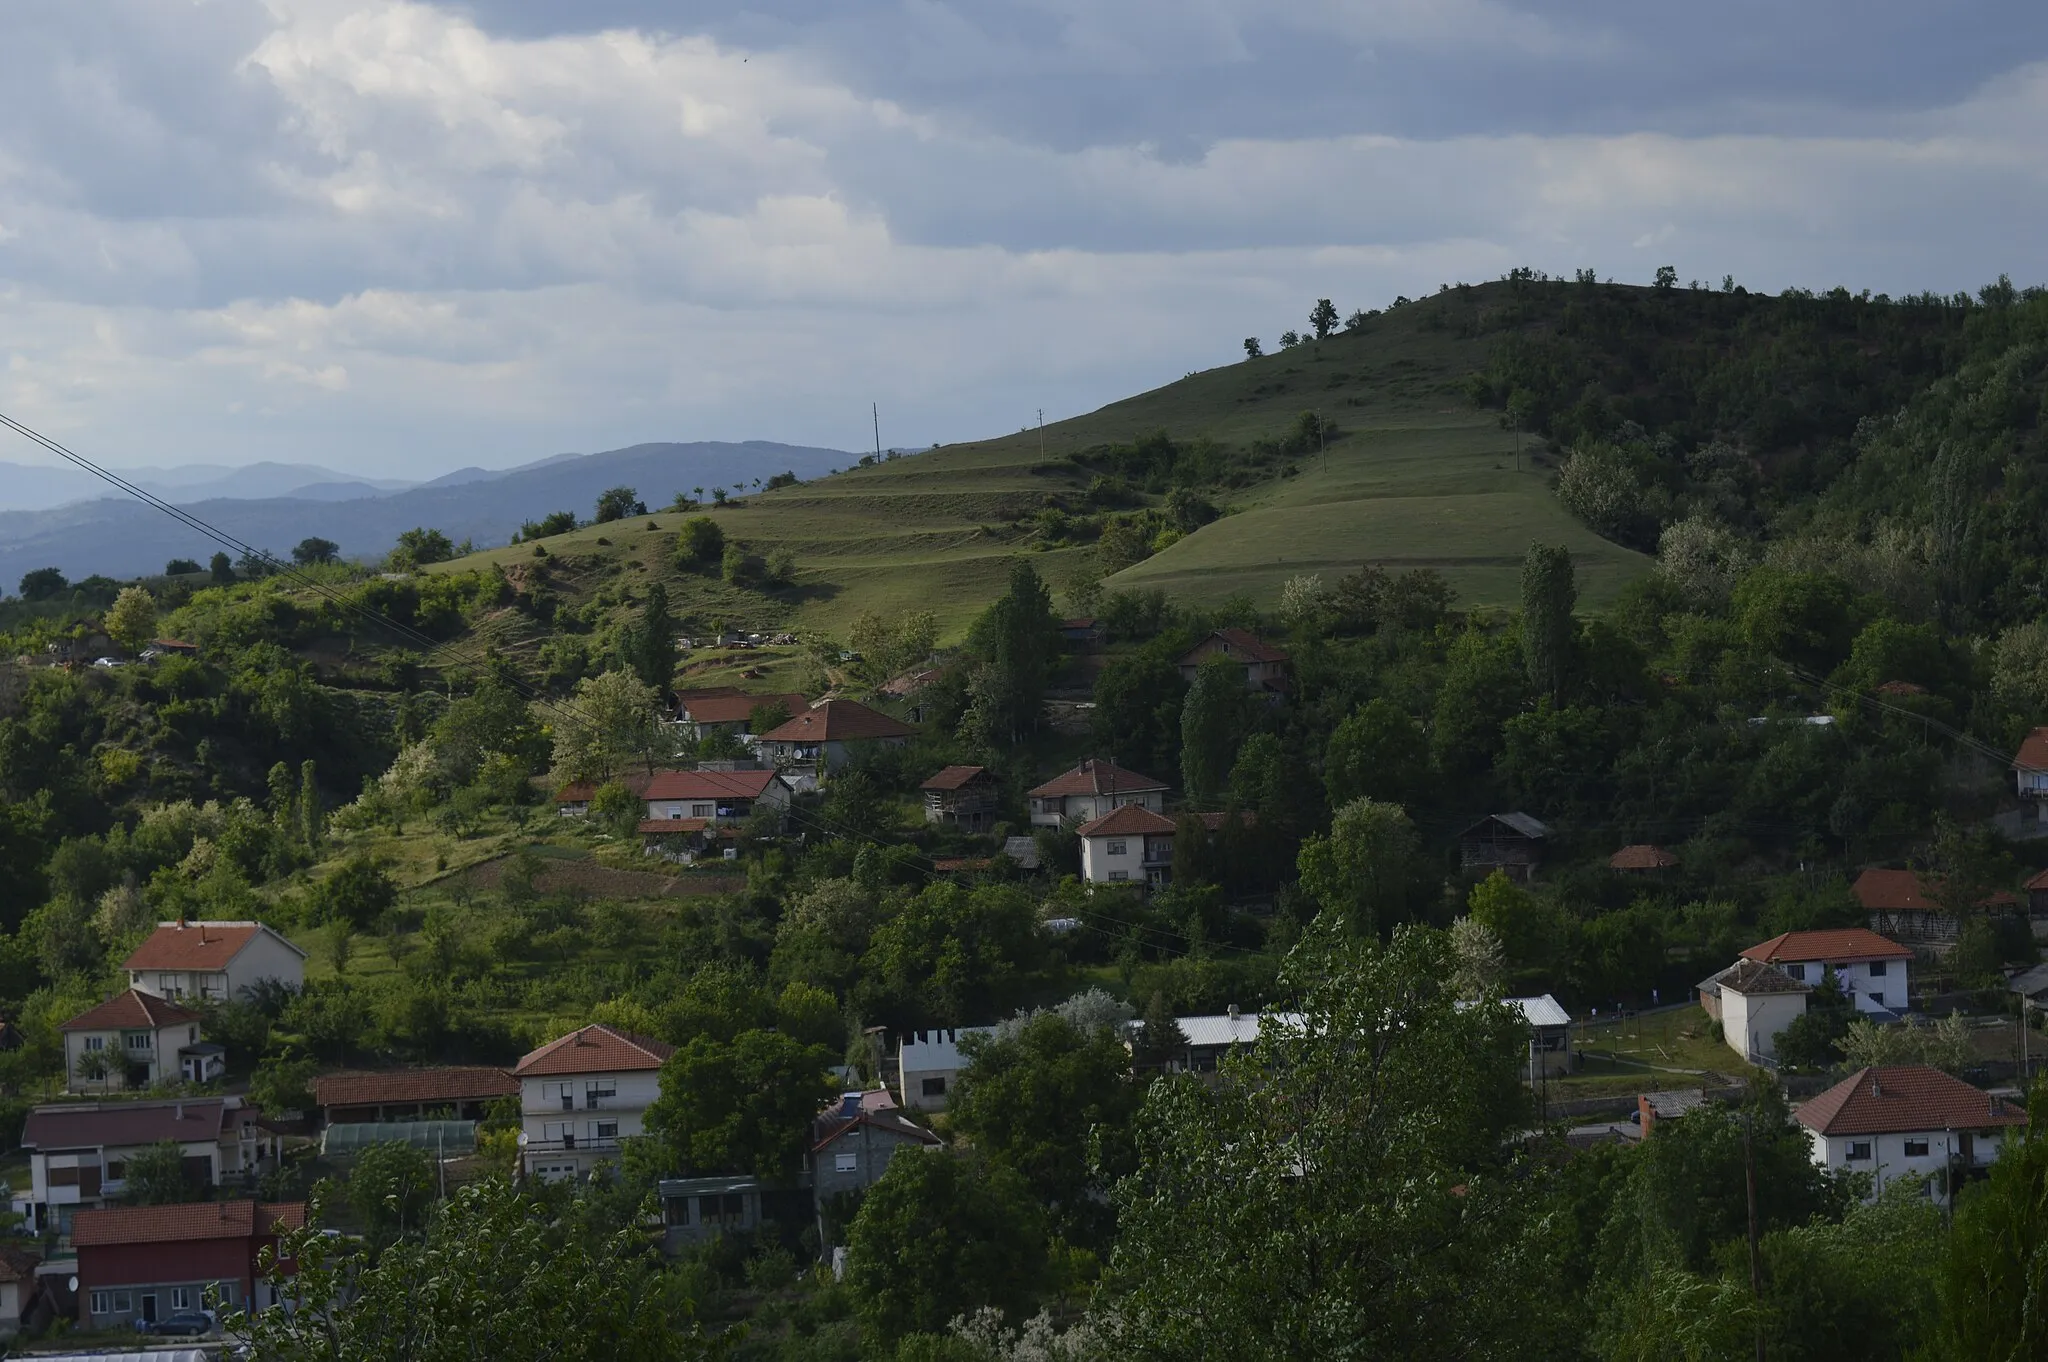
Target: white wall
[(1751, 1022), (544, 1121), (1099, 866), (1889, 989), (265, 957), (1889, 1160)]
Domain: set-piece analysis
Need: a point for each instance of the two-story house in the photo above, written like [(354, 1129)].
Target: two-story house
[(821, 740), (2030, 767), (1908, 1121), (1090, 790), (852, 1142), (137, 1040), (150, 1262), (1870, 968), (1135, 845), (1265, 667), (1754, 1002), (78, 1152), (579, 1096), (213, 960)]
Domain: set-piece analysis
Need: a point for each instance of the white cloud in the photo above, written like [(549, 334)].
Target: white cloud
[(417, 243)]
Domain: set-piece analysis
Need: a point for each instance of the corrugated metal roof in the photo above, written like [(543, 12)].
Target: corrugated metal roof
[(1542, 1011), (1224, 1029)]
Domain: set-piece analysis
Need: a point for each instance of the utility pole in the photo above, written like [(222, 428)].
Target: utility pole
[(876, 410), (1323, 440), (1041, 434)]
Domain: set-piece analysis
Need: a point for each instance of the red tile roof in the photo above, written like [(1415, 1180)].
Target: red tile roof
[(839, 721), (1753, 977), (1905, 1098), (594, 1049), (1641, 856), (956, 865), (712, 785), (197, 945), (2038, 881), (91, 1125), (405, 1086), (1844, 943), (737, 709), (1902, 689), (1215, 822), (1895, 891), (132, 1011), (1132, 820), (184, 1224), (954, 777), (1239, 644), (17, 1265), (2033, 753), (1096, 777)]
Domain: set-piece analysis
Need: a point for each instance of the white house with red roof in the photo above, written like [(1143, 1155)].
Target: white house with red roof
[(1090, 790), (825, 737), (137, 1040), (1134, 845), (1871, 969), (1265, 666), (1907, 1121), (583, 1093), (212, 960), (2030, 766)]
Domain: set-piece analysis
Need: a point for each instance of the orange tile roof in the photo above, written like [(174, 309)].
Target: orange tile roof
[(737, 709), (1641, 856), (197, 945), (1238, 644), (954, 777), (403, 1086), (184, 1224), (2039, 880), (1843, 943), (1905, 1098), (133, 1010), (1895, 891), (839, 721), (2033, 753), (1096, 777), (713, 785), (1132, 820), (594, 1049)]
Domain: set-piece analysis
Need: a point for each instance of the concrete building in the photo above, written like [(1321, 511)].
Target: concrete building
[(1754, 1002), (1092, 789), (929, 1063), (78, 1152), (824, 739), (580, 1095), (137, 1040), (1908, 1121), (148, 1262), (852, 1142), (1872, 970), (213, 960)]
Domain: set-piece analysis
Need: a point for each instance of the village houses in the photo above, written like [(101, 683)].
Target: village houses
[(78, 1152), (149, 1262), (1265, 666), (580, 1095), (1870, 969), (137, 1040), (213, 961), (1908, 1121), (822, 740), (1090, 790), (963, 797)]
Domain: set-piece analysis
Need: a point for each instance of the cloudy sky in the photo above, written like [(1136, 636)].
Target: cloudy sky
[(397, 238)]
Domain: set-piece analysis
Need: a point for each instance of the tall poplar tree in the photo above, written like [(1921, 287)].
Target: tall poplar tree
[(1549, 593)]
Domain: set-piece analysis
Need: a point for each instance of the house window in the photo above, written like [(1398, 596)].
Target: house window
[(727, 1208), (1878, 998), (117, 1169), (191, 1035), (112, 1302), (845, 1163), (1877, 969), (95, 1042), (607, 1130), (167, 984), (1114, 849), (140, 1040), (933, 1087), (599, 1090), (1859, 1151), (1119, 875), (1796, 971), (1916, 1149), (181, 1298), (701, 810)]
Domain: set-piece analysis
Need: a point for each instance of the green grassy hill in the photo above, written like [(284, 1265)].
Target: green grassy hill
[(1415, 476)]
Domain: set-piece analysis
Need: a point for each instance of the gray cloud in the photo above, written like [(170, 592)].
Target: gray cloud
[(400, 237)]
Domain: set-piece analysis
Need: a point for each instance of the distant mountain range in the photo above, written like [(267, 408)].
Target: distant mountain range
[(121, 537), (36, 487)]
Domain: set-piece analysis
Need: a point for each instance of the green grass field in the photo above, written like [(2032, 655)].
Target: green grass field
[(1415, 477)]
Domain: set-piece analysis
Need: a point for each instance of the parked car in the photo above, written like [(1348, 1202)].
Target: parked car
[(181, 1324), (106, 662)]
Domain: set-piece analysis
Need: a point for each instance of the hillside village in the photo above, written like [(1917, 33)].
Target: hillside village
[(873, 945)]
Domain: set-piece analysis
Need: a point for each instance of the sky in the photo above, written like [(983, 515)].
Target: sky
[(398, 238)]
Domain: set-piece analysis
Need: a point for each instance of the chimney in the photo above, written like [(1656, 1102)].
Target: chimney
[(178, 1112), (202, 933), (1875, 1089), (1232, 1010)]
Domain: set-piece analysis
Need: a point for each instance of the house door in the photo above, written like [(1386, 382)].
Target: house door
[(149, 1307), (1966, 1147)]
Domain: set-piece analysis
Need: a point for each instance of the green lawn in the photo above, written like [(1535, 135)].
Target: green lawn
[(1415, 476), (1681, 1039)]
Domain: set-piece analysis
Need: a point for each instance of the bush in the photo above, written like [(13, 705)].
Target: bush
[(700, 543)]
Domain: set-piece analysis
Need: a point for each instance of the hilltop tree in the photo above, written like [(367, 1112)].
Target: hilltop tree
[(616, 503), (1252, 348), (1667, 276), (549, 525), (314, 549), (131, 622), (222, 569), (700, 544), (1549, 593), (1357, 320), (1322, 318), (420, 546), (649, 647), (178, 567), (1017, 640), (1289, 339)]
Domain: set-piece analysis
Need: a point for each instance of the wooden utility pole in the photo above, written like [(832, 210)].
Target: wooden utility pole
[(1756, 1269), (1041, 434), (876, 411)]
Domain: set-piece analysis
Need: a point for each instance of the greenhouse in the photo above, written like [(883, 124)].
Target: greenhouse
[(445, 1139)]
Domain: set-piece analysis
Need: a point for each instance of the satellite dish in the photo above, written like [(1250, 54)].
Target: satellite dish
[(523, 1138), (73, 1288)]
